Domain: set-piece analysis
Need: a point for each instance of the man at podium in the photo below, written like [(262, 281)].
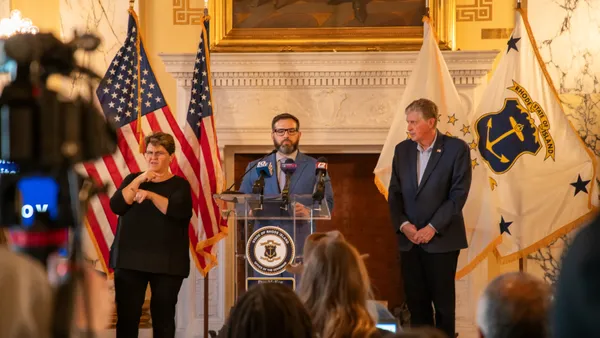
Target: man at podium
[(303, 179)]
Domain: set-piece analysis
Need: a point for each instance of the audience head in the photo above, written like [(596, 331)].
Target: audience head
[(269, 310), (335, 287), (514, 305)]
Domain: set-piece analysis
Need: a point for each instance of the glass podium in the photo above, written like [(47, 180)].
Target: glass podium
[(269, 234)]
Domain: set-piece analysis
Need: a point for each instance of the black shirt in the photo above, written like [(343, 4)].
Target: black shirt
[(148, 240)]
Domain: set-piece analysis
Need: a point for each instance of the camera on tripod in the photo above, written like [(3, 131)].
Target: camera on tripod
[(43, 135)]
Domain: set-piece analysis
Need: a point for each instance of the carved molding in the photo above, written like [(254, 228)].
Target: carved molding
[(276, 70)]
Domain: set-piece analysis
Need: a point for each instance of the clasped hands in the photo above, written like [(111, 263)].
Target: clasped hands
[(422, 236), (140, 194)]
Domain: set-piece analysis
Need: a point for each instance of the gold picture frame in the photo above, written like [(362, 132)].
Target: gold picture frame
[(225, 38)]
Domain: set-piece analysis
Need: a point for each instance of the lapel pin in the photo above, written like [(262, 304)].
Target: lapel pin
[(439, 150)]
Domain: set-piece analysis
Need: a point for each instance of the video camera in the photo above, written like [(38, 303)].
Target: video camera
[(42, 137)]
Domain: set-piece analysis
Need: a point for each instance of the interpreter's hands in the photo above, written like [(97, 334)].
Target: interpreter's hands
[(409, 230), (425, 235), (149, 176), (141, 195)]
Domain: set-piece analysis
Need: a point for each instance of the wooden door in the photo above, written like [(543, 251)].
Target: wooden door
[(361, 214)]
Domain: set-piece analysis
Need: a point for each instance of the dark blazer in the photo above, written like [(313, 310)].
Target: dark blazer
[(302, 181), (440, 197)]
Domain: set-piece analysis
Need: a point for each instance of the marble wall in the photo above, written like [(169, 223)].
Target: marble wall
[(568, 37), (106, 18)]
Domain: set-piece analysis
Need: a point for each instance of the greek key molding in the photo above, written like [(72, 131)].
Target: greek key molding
[(185, 14), (478, 10)]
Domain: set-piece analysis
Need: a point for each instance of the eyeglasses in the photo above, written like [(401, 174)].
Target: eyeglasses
[(282, 131), (155, 153)]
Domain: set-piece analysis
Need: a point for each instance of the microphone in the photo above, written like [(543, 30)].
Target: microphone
[(229, 191), (320, 172), (288, 168), (264, 169)]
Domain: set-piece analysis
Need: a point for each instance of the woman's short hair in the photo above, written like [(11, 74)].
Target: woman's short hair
[(269, 310), (161, 139)]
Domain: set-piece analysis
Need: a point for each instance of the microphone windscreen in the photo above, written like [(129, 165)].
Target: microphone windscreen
[(321, 164), (264, 167), (289, 166)]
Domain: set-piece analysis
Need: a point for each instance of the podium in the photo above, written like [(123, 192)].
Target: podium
[(270, 234)]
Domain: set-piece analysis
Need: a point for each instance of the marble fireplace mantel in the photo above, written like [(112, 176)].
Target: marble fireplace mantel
[(345, 103)]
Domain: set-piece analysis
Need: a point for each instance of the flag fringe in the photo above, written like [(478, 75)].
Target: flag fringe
[(544, 242), (211, 259), (381, 187), (96, 246), (478, 259)]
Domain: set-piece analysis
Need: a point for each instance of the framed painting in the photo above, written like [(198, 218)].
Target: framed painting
[(327, 25)]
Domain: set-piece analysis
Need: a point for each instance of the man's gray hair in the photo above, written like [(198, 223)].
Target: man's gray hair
[(515, 305), (427, 108)]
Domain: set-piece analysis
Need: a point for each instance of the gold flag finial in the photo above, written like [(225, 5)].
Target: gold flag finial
[(131, 2)]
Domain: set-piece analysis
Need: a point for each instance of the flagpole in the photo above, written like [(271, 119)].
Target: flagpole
[(518, 4), (206, 293), (131, 2), (427, 8)]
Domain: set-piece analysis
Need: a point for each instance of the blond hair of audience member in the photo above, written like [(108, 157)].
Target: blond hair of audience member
[(334, 288)]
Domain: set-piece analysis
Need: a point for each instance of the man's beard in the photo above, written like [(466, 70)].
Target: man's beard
[(286, 149)]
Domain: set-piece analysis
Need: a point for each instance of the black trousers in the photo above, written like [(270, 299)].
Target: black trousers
[(429, 278), (130, 292)]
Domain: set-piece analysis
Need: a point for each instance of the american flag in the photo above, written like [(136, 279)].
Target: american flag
[(200, 129), (130, 96)]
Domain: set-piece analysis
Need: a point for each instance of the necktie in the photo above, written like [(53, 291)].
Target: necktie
[(281, 175)]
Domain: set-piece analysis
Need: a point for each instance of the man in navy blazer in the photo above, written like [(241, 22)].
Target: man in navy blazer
[(286, 137), (431, 178)]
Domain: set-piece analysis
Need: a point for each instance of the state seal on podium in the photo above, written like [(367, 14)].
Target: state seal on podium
[(269, 250)]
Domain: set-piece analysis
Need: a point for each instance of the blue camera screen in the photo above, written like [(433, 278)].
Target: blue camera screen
[(38, 194)]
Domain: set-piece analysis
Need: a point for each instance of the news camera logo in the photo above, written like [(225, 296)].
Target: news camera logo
[(7, 167), (322, 165), (265, 164), (270, 250), (38, 195)]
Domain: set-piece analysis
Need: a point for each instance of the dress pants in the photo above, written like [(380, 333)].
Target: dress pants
[(130, 292), (429, 278)]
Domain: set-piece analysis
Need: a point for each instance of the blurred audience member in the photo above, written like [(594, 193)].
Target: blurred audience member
[(26, 306), (335, 288), (577, 304), (514, 305), (268, 310), (28, 300)]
